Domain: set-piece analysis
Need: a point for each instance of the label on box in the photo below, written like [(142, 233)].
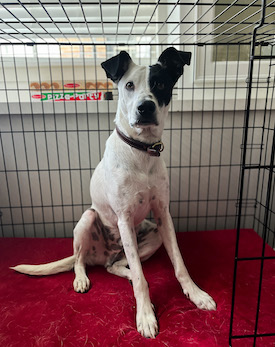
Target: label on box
[(69, 96)]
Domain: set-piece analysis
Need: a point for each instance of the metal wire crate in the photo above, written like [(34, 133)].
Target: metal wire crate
[(57, 110)]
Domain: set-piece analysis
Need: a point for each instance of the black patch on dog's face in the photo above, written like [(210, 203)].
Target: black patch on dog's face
[(164, 75), (161, 84)]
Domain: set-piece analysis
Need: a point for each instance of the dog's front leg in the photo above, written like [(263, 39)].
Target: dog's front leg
[(165, 225), (145, 317)]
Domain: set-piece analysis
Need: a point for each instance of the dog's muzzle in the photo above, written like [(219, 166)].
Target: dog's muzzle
[(146, 114)]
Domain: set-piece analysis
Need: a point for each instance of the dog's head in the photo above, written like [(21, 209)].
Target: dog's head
[(145, 92)]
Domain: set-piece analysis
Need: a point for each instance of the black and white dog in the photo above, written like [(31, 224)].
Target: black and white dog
[(130, 181)]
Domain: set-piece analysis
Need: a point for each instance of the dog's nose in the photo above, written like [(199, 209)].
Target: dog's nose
[(147, 107)]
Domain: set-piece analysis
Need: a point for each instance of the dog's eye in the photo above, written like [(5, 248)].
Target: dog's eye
[(130, 86), (160, 86)]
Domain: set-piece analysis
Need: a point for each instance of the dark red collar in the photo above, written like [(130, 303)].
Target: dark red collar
[(152, 149)]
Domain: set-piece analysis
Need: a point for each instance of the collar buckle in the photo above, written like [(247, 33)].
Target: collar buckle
[(155, 149)]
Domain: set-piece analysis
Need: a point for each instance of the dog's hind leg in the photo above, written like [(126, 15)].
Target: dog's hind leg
[(120, 269), (149, 240), (82, 245)]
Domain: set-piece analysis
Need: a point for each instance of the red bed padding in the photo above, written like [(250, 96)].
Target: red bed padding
[(45, 311)]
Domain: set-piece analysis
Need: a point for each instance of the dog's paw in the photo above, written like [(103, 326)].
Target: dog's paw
[(200, 298), (81, 284), (147, 324)]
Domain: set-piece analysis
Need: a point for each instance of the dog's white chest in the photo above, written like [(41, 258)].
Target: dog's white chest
[(150, 191), (142, 205)]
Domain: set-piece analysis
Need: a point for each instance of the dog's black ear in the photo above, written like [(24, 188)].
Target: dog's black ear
[(174, 60), (116, 66)]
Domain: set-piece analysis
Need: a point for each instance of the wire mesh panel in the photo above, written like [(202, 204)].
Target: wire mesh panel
[(51, 147), (57, 109), (257, 161), (56, 112)]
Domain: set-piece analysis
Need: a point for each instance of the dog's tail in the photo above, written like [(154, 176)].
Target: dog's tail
[(55, 267)]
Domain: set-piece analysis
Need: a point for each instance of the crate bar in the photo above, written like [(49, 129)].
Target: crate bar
[(58, 151), (253, 145), (36, 151), (264, 57), (266, 217), (202, 128), (2, 148), (211, 133), (241, 189), (253, 167), (250, 336), (68, 205), (234, 127), (87, 109), (256, 258), (98, 22), (122, 44), (52, 3), (88, 168), (222, 216), (222, 130), (75, 103), (180, 151), (262, 156)]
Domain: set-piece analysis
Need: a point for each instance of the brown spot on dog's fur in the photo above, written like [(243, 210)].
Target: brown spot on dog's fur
[(141, 236), (116, 257), (115, 247), (95, 236)]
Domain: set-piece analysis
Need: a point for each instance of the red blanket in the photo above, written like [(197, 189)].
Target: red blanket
[(45, 311)]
